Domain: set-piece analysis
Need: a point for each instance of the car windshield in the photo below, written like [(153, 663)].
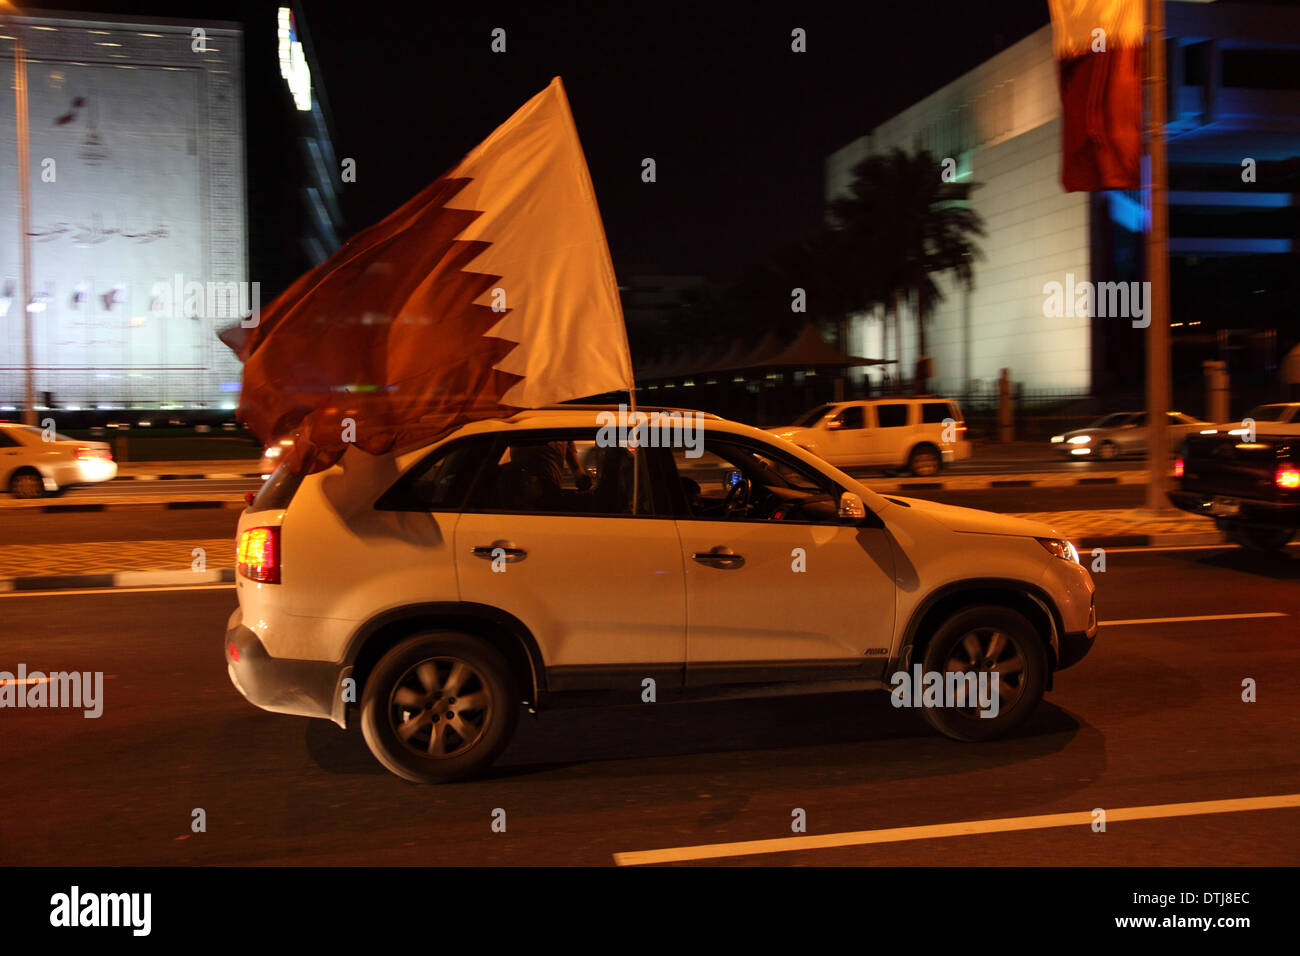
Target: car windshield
[(811, 417), (1266, 413), (1112, 421)]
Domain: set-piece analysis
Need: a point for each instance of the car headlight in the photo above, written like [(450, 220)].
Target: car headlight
[(1080, 439), (1061, 548), (1057, 439)]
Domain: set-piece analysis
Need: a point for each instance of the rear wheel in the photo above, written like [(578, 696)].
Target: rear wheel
[(924, 461), (1256, 537), (27, 483), (438, 707), (1004, 652)]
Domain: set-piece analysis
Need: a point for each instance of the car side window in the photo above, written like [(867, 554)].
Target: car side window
[(732, 481), (566, 473), (891, 415), (851, 417), (441, 480), (933, 413)]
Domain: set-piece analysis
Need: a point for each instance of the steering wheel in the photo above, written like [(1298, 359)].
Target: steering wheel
[(737, 498)]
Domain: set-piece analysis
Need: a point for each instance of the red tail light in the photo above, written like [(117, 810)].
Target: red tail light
[(87, 453), (258, 556), (1288, 476), (1178, 467)]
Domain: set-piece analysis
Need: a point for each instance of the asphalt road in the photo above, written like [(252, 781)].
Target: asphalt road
[(1153, 717)]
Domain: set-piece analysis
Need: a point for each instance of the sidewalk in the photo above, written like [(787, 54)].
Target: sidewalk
[(98, 564)]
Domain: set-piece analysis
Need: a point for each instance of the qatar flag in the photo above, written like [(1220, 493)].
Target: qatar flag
[(490, 291), (1098, 48)]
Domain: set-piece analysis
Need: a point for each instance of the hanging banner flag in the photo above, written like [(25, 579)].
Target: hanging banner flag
[(1098, 48), (490, 291)]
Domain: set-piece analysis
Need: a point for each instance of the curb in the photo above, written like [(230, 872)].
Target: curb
[(979, 483), (215, 504), (115, 579)]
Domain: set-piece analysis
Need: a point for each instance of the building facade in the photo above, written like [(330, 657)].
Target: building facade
[(1234, 146)]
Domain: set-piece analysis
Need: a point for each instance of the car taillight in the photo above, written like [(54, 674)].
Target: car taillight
[(1288, 476), (87, 453), (258, 556), (1178, 467)]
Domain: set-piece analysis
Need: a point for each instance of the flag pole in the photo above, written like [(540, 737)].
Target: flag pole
[(1157, 254)]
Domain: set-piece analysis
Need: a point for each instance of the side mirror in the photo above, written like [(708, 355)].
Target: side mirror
[(851, 507)]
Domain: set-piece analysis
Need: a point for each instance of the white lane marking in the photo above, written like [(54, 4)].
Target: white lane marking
[(40, 680), (967, 828), (1181, 547), (1198, 617), (58, 592)]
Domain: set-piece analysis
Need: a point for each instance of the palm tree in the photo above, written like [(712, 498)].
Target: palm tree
[(910, 226)]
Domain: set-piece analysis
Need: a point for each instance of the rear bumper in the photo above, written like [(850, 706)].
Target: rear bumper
[(282, 685), (1253, 511)]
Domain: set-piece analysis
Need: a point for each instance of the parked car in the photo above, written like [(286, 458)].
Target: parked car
[(431, 596), (1249, 485), (916, 434), (34, 462), (1123, 433)]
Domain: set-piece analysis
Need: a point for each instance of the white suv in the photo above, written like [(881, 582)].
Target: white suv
[(516, 563), (917, 434)]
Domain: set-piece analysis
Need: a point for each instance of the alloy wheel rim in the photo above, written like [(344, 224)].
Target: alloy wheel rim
[(27, 486), (440, 707), (989, 650)]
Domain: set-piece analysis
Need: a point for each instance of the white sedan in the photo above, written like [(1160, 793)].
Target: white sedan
[(34, 462)]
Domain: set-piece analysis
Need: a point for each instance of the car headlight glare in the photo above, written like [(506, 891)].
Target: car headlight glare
[(1061, 548), (1080, 439)]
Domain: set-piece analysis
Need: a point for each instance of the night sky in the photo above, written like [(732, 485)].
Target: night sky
[(738, 125)]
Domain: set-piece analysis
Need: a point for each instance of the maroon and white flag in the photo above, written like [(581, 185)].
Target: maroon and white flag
[(1098, 48)]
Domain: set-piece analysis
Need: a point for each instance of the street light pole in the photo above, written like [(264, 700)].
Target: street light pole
[(1157, 266), (24, 214)]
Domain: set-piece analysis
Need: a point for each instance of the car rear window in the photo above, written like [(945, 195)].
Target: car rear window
[(277, 491), (891, 416)]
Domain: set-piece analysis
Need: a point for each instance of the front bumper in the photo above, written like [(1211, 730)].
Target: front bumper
[(283, 685), (1076, 645)]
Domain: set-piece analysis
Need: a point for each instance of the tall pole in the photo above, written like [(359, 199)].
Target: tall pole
[(1157, 265)]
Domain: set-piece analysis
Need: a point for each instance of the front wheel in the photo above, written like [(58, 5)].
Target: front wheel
[(924, 461), (1108, 450), (438, 707), (998, 659), (1256, 537)]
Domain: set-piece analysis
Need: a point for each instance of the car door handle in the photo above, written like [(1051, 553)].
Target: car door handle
[(506, 549), (719, 557)]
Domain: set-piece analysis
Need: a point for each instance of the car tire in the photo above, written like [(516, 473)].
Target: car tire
[(1108, 450), (409, 708), (1019, 658), (27, 483), (924, 461), (1255, 537)]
